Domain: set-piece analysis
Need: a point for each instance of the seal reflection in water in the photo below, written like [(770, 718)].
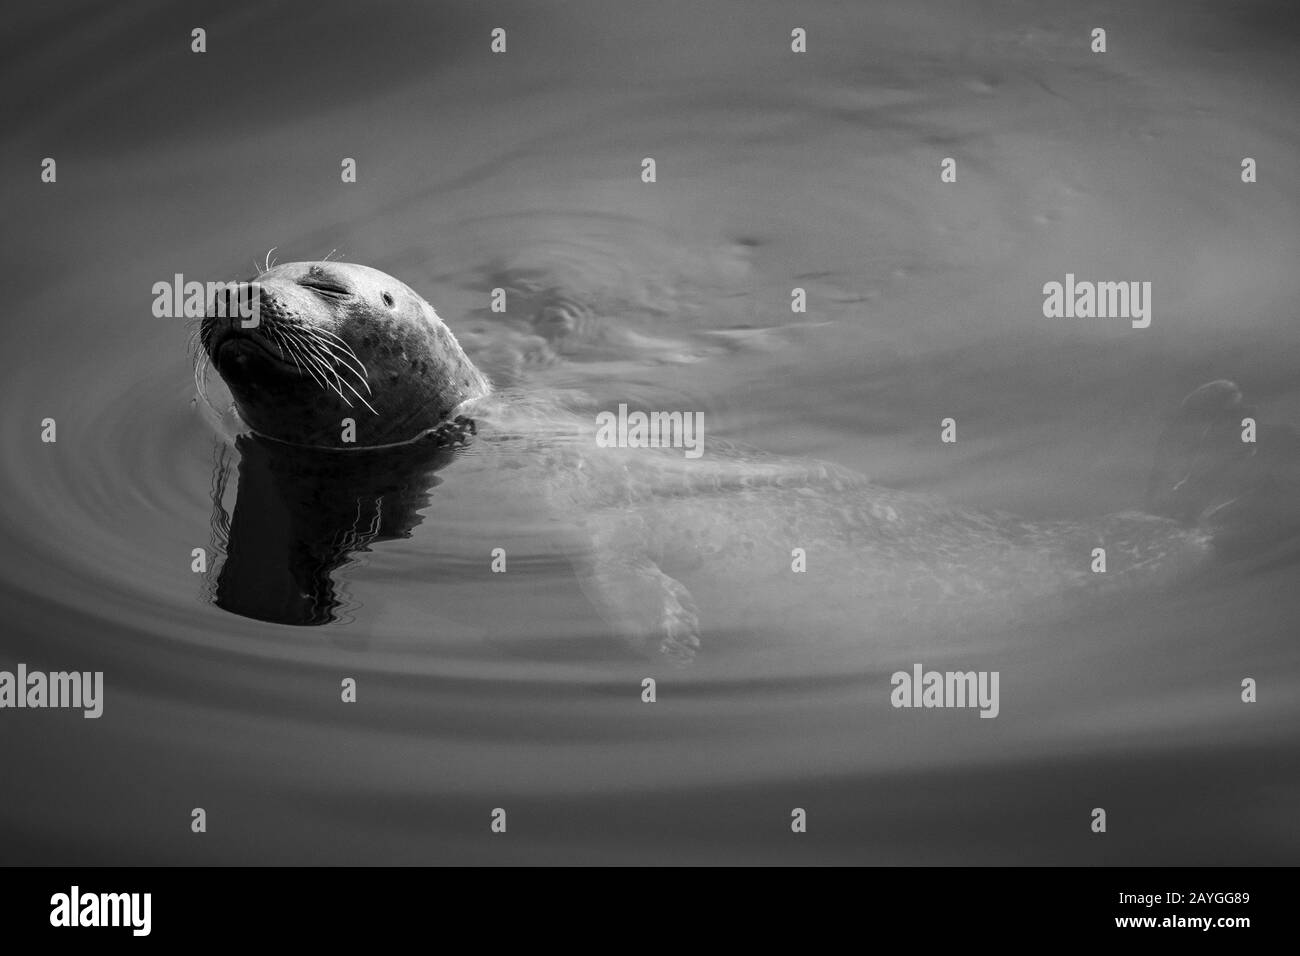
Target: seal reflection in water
[(300, 514), (669, 547)]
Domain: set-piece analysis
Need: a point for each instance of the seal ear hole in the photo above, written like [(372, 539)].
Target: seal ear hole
[(388, 299)]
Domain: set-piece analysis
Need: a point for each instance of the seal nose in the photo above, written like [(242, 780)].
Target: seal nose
[(234, 312), (237, 305)]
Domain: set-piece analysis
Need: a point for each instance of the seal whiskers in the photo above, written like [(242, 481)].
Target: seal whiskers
[(317, 349)]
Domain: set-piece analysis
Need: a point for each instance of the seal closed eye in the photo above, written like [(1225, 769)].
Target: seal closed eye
[(324, 286)]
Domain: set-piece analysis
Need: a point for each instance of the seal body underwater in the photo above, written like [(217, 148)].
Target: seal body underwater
[(670, 548)]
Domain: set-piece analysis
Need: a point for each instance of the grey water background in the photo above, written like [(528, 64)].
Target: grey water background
[(775, 170)]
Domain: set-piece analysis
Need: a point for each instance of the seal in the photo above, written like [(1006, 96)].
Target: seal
[(346, 332), (668, 546)]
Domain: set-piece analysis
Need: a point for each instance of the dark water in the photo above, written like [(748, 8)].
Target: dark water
[(478, 690)]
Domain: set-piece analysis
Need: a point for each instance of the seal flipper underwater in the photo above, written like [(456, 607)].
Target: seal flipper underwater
[(663, 534), (646, 607)]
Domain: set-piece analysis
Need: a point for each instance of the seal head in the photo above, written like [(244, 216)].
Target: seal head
[(332, 341)]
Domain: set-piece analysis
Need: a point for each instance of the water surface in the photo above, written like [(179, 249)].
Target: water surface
[(774, 171)]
